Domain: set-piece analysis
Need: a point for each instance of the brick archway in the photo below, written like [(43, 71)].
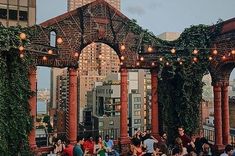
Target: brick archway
[(100, 22), (220, 70)]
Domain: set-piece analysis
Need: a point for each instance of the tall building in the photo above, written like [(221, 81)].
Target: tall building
[(73, 4), (96, 61), (18, 12)]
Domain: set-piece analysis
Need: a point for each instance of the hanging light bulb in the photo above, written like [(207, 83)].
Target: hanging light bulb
[(137, 63), (210, 58), (76, 54), (195, 59), (44, 58), (195, 51), (21, 48), (122, 47), (22, 36), (150, 49), (50, 52), (167, 63), (21, 55), (59, 40), (153, 64), (173, 50), (223, 57), (215, 52), (233, 51), (122, 58), (161, 59), (181, 62), (121, 63), (141, 58)]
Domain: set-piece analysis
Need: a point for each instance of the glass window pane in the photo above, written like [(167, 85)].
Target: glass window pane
[(13, 14)]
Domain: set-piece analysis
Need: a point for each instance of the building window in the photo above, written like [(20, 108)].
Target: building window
[(23, 15), (137, 113), (13, 14), (137, 99), (137, 106), (3, 13), (137, 121)]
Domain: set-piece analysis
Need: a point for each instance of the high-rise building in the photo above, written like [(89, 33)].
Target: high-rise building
[(96, 61), (18, 12)]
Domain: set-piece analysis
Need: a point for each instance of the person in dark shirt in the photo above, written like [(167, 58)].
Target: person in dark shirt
[(187, 142)]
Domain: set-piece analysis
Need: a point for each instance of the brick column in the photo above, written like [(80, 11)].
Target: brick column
[(33, 105), (154, 104), (72, 111), (217, 115), (225, 114), (123, 112)]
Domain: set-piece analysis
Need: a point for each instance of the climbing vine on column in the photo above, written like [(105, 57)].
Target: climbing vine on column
[(15, 119)]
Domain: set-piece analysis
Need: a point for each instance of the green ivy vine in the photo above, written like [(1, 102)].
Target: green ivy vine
[(15, 119), (180, 85)]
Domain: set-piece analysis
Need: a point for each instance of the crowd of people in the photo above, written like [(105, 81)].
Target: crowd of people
[(143, 144), (86, 147)]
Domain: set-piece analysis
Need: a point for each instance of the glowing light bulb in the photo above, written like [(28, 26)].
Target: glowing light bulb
[(215, 52), (21, 55), (210, 58), (22, 36), (150, 49), (161, 59), (44, 58), (21, 48), (137, 63), (233, 52), (123, 47), (153, 64), (59, 40), (173, 50), (122, 58), (195, 51), (142, 59), (195, 59), (181, 62), (76, 54), (50, 52)]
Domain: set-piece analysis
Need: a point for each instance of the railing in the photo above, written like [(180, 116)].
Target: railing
[(210, 136)]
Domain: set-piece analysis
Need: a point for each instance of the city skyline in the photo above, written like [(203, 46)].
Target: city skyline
[(155, 15)]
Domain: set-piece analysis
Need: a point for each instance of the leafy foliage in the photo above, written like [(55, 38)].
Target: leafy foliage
[(15, 119), (180, 84)]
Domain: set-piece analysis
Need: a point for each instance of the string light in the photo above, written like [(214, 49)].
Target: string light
[(21, 48), (150, 49), (122, 58), (153, 64), (161, 59), (173, 50), (122, 47), (121, 63), (181, 62), (167, 63), (44, 58), (195, 59), (22, 36), (215, 52), (137, 63), (141, 58), (233, 52), (195, 51), (210, 58), (76, 54), (59, 40), (50, 52), (223, 57), (21, 55)]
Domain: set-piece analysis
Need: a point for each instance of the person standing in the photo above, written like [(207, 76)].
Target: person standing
[(77, 150)]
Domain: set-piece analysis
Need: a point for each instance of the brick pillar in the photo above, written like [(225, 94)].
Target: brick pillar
[(217, 115), (33, 105), (123, 112), (154, 104), (225, 114), (72, 112)]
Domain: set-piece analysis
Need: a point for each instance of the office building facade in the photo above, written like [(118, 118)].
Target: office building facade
[(18, 12)]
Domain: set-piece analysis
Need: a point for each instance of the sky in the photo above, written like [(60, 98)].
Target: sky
[(157, 16)]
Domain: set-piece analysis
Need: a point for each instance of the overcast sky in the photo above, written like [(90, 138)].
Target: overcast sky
[(157, 16)]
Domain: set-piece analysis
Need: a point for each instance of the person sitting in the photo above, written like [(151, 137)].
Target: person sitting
[(228, 150), (110, 146)]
